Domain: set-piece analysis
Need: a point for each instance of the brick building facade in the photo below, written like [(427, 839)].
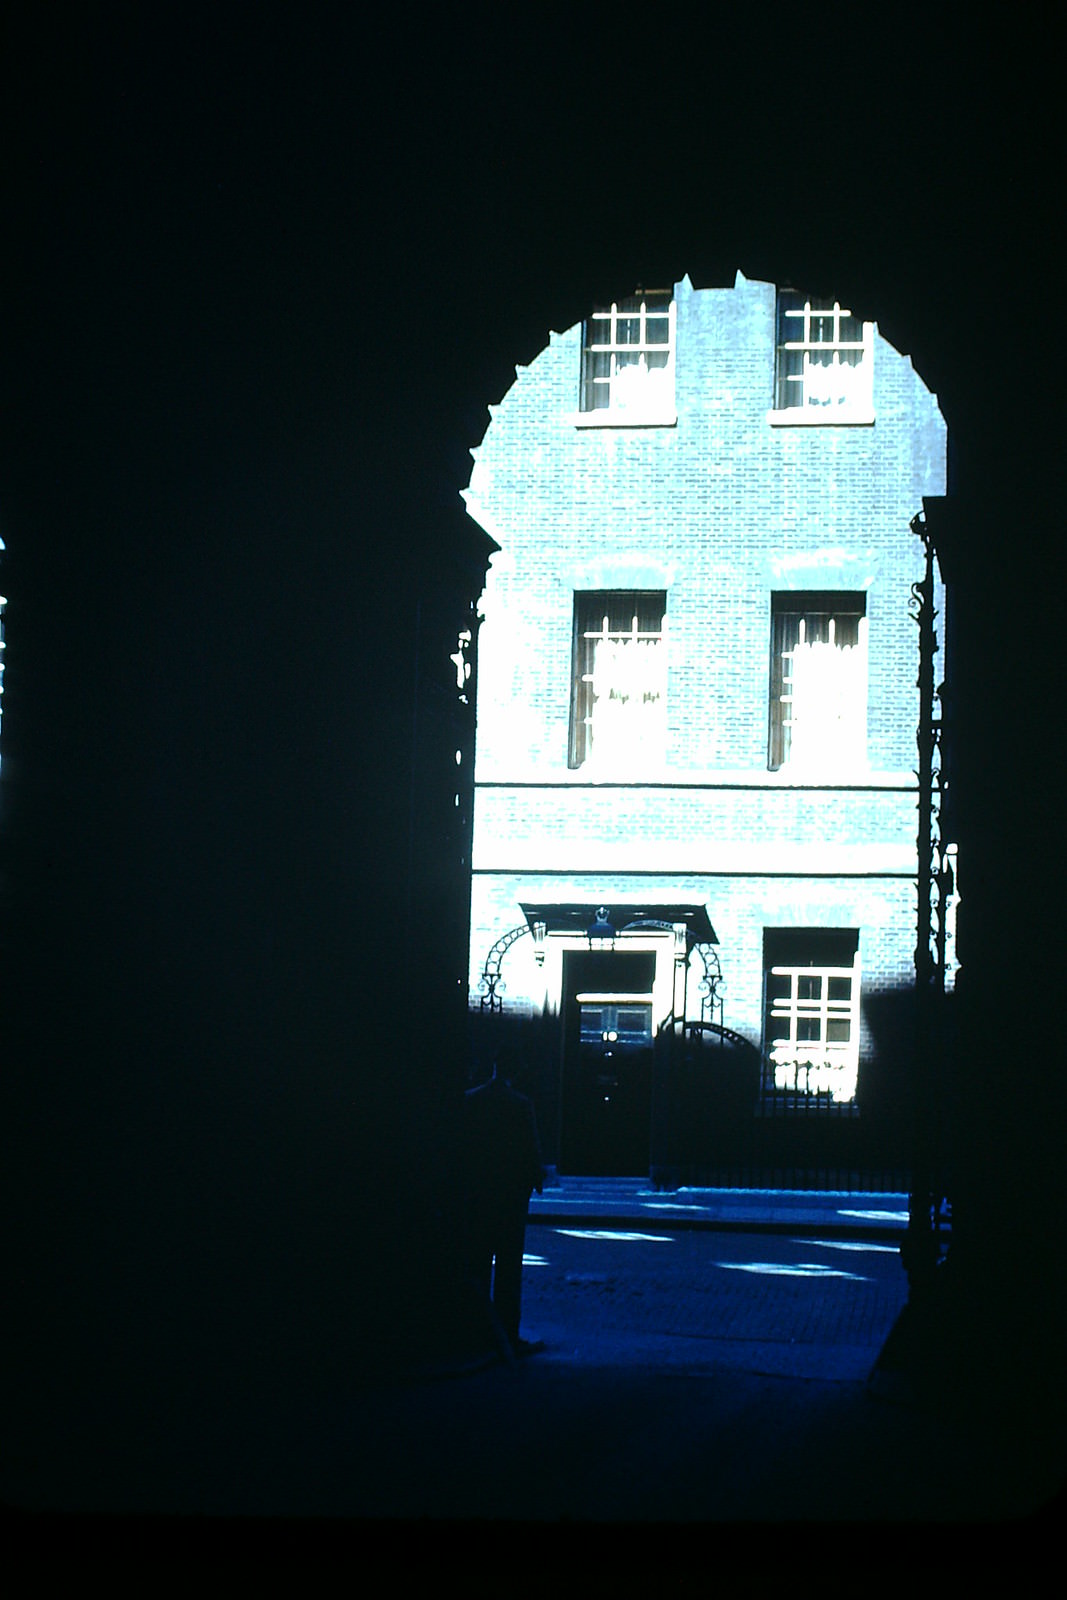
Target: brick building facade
[(695, 807)]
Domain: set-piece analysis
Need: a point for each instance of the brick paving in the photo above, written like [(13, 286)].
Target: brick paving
[(616, 1424), (712, 1295), (690, 1376)]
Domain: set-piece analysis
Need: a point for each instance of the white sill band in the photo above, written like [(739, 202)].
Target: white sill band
[(819, 417), (624, 419)]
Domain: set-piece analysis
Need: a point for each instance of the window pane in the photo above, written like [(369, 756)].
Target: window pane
[(817, 693), (647, 609), (838, 1030), (790, 326), (591, 1024), (809, 988), (596, 380), (657, 329), (799, 947), (619, 611), (790, 378), (619, 608), (598, 330), (634, 1022), (816, 627), (628, 330), (619, 676), (840, 989), (846, 631), (808, 1030)]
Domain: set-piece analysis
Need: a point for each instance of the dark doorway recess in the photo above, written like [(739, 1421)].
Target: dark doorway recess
[(606, 1088)]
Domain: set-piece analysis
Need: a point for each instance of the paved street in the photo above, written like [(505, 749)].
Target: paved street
[(690, 1376), (809, 1307)]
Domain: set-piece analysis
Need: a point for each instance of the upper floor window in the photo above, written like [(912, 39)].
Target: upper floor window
[(628, 359), (818, 709), (618, 679), (824, 360)]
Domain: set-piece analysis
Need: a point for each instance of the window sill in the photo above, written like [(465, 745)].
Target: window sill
[(663, 777), (820, 417), (624, 419), (787, 1102)]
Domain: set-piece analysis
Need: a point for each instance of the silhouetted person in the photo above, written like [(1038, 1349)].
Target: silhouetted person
[(503, 1167)]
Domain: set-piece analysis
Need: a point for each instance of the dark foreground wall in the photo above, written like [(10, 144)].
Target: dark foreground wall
[(234, 915), (251, 319)]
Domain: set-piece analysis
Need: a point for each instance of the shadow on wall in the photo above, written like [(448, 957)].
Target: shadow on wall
[(891, 1079), (702, 1094), (712, 1112), (704, 1120), (886, 1077)]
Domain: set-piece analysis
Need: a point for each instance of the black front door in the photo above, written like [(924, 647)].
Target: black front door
[(607, 1063)]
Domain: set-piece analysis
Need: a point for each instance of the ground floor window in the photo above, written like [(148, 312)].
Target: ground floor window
[(811, 1010)]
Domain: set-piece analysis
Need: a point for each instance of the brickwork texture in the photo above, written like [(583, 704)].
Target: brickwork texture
[(719, 506)]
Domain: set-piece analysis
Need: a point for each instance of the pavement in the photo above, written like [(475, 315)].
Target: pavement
[(843, 1338), (748, 1406), (593, 1202)]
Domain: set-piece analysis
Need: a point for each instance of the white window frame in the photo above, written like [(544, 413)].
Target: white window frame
[(611, 1001), (650, 402), (844, 749), (819, 1065), (820, 401), (583, 750)]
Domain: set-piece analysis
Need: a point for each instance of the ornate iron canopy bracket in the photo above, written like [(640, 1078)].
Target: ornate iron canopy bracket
[(491, 982), (710, 986)]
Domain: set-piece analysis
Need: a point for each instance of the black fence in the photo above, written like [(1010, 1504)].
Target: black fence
[(717, 1120), (720, 1121), (783, 1142)]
